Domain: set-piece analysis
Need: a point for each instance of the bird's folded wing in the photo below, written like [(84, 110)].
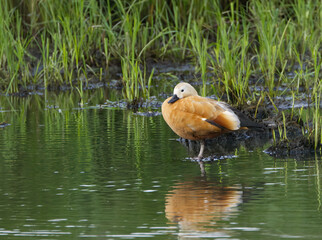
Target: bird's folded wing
[(211, 111)]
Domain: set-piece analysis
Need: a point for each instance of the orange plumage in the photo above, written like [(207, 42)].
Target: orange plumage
[(196, 205), (197, 118)]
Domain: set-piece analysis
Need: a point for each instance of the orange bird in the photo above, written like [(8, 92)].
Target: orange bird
[(198, 118)]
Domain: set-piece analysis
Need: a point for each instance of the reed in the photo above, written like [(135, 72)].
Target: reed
[(307, 20), (317, 121), (311, 120), (271, 36), (231, 63), (317, 64), (136, 83), (200, 48)]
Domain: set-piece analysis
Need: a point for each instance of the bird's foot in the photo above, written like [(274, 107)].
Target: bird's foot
[(202, 168)]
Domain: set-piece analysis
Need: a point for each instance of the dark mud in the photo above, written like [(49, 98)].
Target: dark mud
[(4, 124), (299, 148), (225, 145), (292, 143)]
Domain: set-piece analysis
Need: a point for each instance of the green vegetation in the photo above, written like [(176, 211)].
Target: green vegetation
[(274, 47)]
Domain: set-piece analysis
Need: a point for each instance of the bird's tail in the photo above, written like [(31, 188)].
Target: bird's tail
[(247, 122)]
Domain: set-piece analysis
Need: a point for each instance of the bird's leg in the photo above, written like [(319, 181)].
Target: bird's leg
[(201, 163), (202, 148), (202, 168)]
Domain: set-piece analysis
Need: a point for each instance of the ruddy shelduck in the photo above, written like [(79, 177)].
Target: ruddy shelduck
[(196, 205), (198, 118)]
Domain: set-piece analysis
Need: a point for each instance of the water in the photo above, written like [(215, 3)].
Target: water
[(87, 173)]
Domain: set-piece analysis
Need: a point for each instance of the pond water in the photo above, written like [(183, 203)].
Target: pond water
[(102, 173)]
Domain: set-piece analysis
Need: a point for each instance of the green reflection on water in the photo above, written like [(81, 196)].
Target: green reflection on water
[(67, 172)]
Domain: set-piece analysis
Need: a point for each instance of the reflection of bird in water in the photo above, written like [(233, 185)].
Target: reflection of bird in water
[(198, 118), (197, 205)]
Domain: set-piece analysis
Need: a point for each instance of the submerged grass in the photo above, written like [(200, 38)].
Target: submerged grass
[(272, 44)]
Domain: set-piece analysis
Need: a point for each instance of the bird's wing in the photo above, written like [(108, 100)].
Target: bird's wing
[(216, 113)]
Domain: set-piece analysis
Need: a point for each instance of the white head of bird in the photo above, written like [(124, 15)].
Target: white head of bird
[(183, 90)]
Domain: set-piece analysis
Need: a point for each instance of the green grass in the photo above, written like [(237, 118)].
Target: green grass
[(230, 63), (136, 82)]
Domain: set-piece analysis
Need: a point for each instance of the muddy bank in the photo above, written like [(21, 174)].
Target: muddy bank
[(225, 145), (299, 148)]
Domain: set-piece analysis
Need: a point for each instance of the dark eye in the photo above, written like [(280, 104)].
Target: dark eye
[(182, 90)]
